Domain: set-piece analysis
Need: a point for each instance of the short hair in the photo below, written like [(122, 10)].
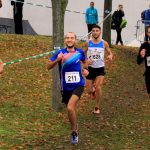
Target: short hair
[(96, 26), (72, 33), (92, 2), (120, 5)]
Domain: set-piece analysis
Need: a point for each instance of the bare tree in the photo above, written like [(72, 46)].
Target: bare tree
[(58, 12), (107, 22)]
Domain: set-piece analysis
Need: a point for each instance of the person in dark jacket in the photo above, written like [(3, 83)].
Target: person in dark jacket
[(0, 3), (117, 17), (18, 8), (144, 55)]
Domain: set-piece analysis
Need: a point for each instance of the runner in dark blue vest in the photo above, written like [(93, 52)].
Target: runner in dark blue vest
[(144, 55)]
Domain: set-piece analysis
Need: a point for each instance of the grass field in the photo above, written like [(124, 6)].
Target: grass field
[(27, 121)]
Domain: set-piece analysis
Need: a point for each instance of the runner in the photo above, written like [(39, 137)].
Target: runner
[(72, 81), (1, 66), (95, 50), (144, 55)]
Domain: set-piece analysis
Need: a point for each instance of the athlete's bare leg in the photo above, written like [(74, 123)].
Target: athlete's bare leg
[(90, 86), (71, 108), (98, 90), (1, 67)]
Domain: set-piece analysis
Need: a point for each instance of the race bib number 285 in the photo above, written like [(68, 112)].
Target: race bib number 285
[(72, 77)]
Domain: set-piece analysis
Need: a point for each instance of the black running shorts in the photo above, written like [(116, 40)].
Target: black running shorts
[(94, 72), (66, 95)]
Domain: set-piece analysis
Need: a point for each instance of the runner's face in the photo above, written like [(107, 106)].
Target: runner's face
[(70, 40), (96, 33), (148, 32)]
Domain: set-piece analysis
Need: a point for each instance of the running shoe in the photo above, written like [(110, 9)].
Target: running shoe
[(96, 110), (74, 138)]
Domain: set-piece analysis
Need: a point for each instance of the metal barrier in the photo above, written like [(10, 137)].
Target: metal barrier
[(140, 30), (4, 27)]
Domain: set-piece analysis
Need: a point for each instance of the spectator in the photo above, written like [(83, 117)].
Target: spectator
[(91, 17), (117, 17), (18, 8), (0, 3)]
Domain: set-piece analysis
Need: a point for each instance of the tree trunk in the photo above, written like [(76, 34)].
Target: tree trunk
[(58, 12), (107, 22)]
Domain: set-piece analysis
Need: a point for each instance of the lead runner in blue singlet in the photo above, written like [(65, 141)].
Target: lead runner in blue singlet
[(72, 81), (95, 51)]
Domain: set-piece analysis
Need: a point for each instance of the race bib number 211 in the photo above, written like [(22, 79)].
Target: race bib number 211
[(72, 77)]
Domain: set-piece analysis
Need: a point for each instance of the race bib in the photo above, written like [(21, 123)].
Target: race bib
[(72, 77), (148, 61), (96, 56)]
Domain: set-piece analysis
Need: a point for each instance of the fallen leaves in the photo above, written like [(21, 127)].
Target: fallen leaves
[(31, 123)]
